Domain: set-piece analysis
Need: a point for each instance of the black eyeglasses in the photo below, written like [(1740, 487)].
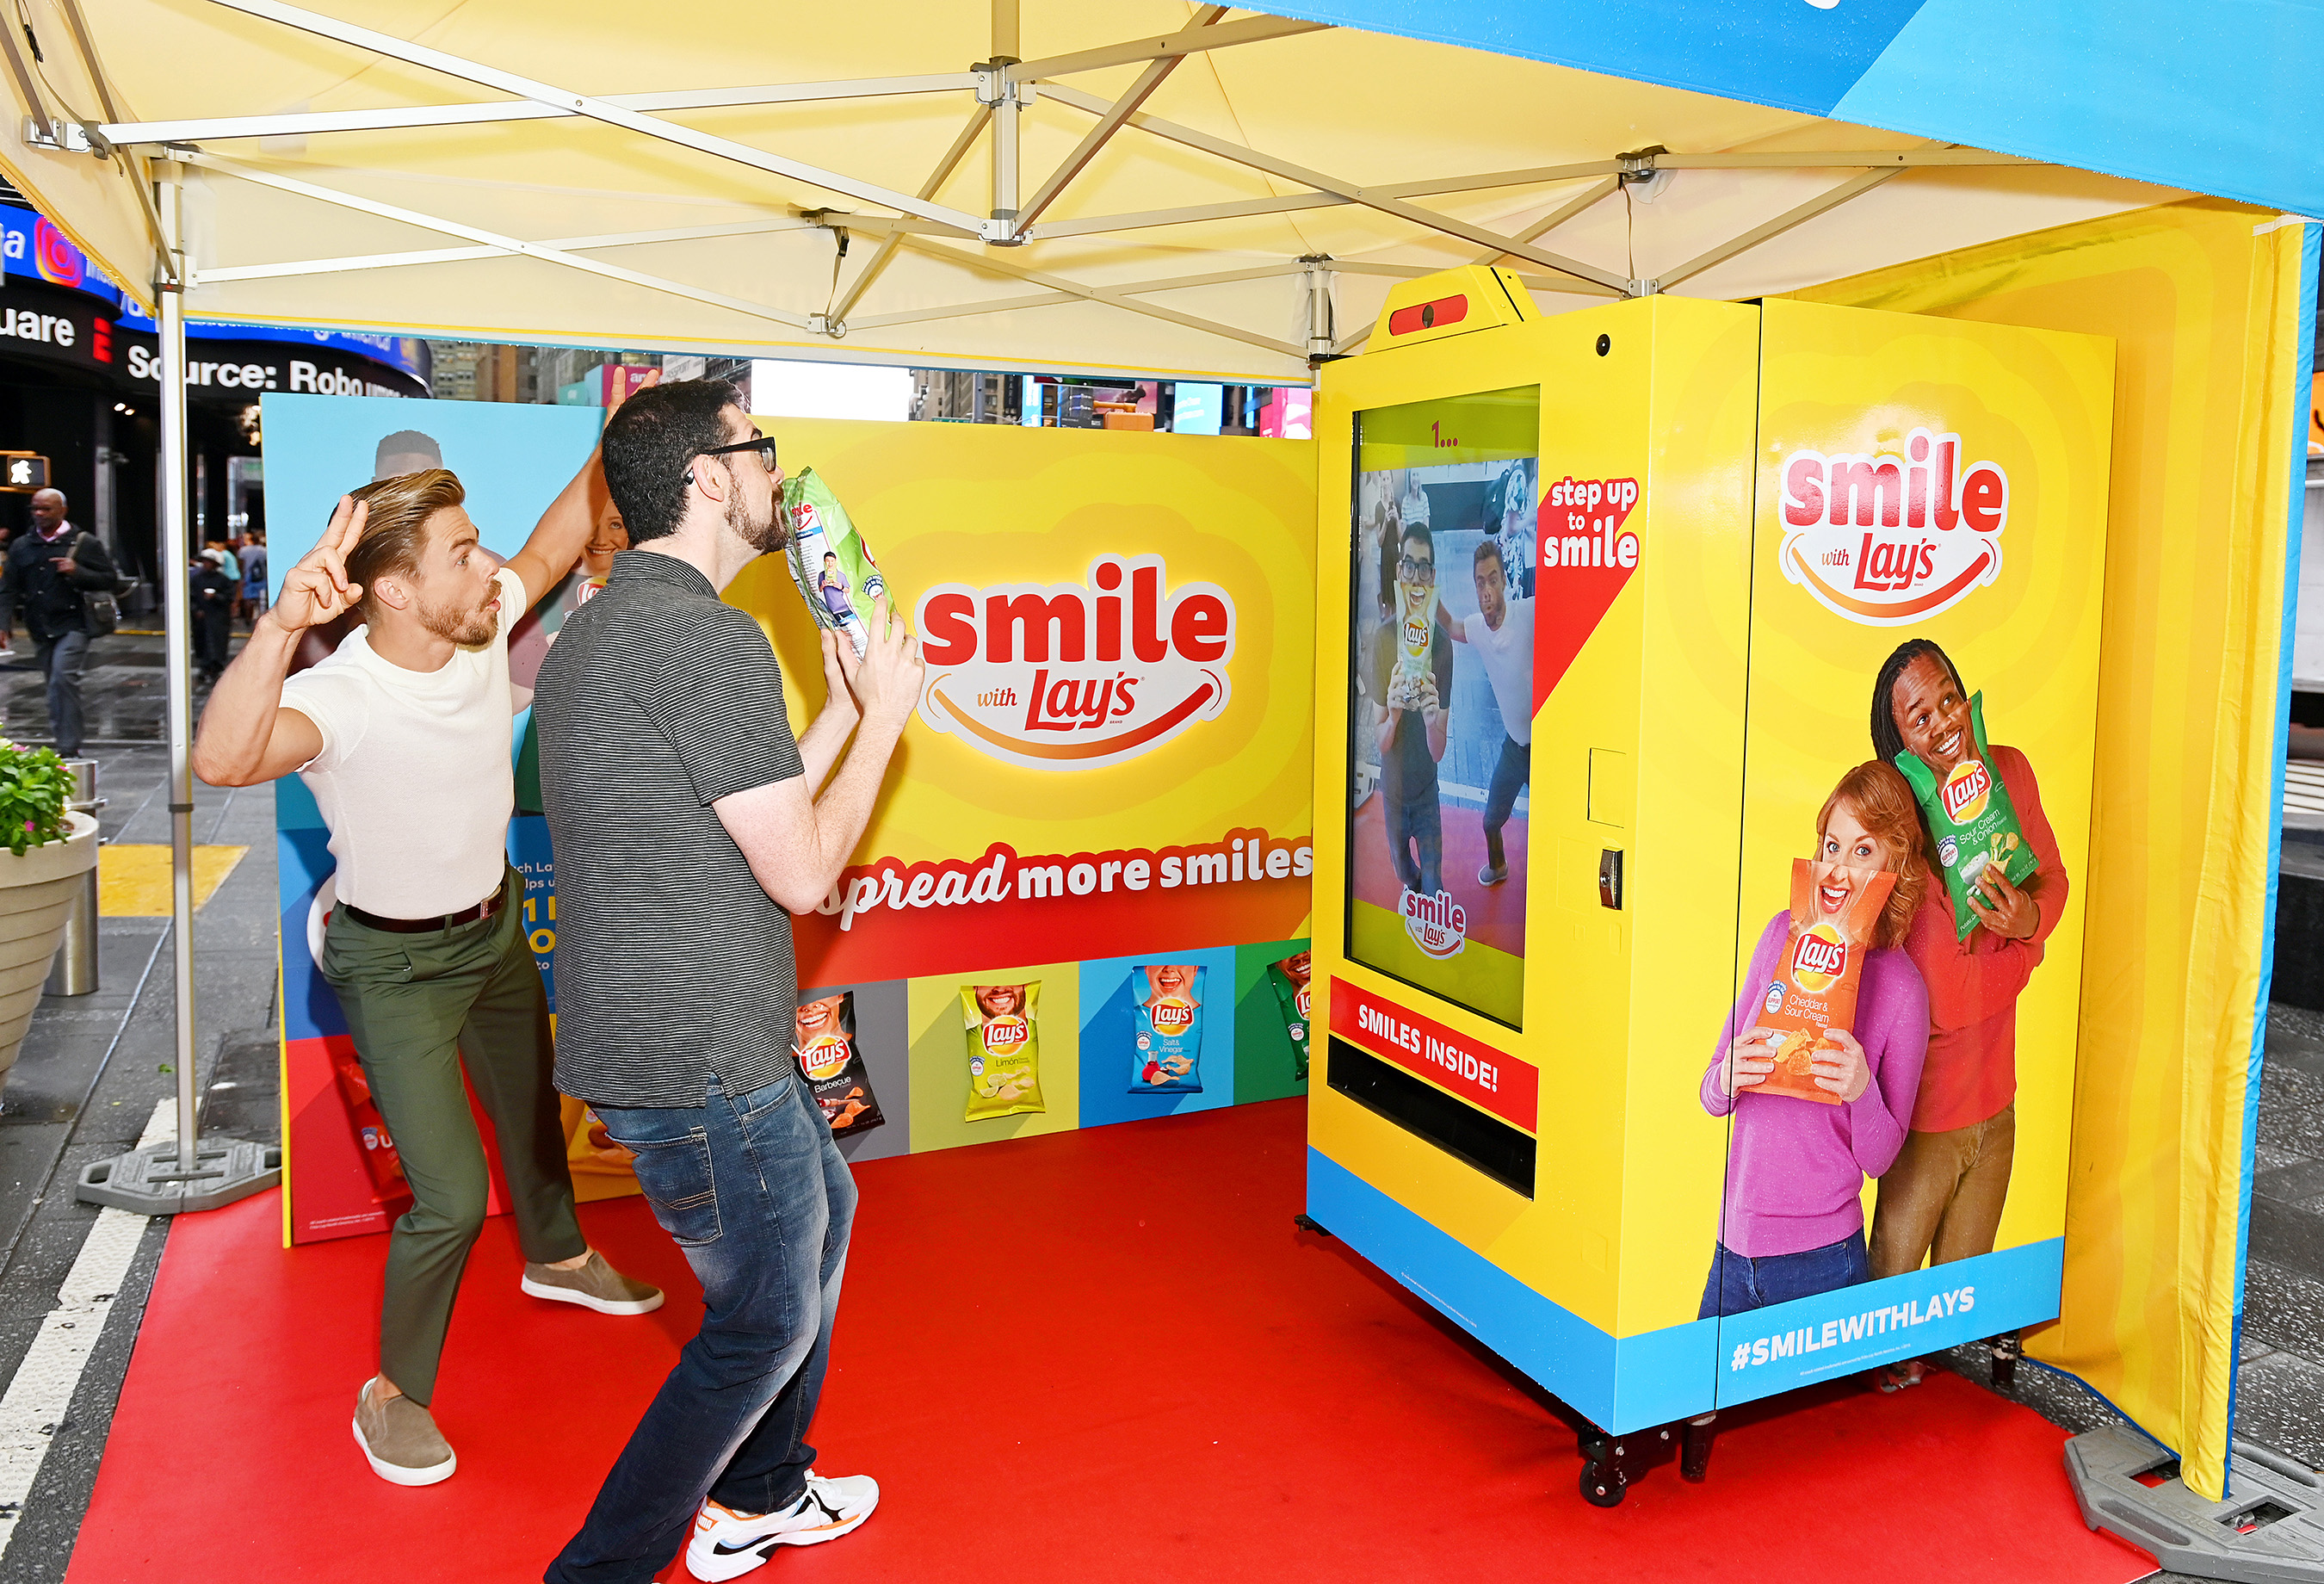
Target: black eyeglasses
[(759, 443)]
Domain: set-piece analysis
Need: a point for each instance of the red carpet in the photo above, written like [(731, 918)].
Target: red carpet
[(1102, 1355), (1496, 915)]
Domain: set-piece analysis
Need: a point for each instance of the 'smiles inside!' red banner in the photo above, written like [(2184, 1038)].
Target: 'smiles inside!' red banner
[(1480, 1075)]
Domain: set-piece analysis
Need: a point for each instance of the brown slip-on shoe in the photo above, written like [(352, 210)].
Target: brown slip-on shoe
[(594, 1284), (401, 1440)]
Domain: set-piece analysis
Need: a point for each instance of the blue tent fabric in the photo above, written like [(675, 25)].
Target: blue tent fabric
[(2218, 97)]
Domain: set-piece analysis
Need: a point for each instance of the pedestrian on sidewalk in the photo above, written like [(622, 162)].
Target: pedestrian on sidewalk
[(51, 567), (403, 735), (675, 984), (210, 591), (254, 573)]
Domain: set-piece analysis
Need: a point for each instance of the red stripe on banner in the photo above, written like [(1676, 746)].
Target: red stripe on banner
[(1488, 1079)]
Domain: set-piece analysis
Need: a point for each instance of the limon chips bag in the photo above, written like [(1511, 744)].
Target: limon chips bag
[(1169, 1018), (829, 561), (1004, 1049), (833, 1066), (1814, 986), (1971, 820), (1289, 978)]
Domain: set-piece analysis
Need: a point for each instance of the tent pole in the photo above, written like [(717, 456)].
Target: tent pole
[(176, 625), (189, 1174)]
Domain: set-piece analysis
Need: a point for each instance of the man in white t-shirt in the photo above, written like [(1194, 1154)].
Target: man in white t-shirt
[(1501, 632), (403, 735)]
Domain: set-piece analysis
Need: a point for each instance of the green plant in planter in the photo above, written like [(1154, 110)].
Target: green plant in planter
[(34, 788)]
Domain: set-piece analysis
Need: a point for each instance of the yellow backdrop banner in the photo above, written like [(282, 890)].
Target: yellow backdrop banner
[(2203, 301)]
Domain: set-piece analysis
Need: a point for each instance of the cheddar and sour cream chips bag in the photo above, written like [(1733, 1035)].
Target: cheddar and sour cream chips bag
[(1814, 986)]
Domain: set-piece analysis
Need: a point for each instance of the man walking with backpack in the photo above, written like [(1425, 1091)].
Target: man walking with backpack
[(53, 569)]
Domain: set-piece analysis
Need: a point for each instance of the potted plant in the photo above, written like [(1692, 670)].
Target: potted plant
[(48, 846)]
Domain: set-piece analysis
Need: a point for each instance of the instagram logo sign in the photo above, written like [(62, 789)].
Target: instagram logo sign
[(60, 263)]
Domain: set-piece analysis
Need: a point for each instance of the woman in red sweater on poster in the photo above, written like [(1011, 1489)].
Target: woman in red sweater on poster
[(1942, 1200)]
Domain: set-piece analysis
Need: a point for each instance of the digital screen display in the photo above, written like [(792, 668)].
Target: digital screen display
[(1440, 675)]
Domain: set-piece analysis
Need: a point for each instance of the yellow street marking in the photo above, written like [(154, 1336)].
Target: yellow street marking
[(133, 880)]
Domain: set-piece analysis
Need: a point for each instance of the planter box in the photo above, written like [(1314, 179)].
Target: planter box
[(36, 894)]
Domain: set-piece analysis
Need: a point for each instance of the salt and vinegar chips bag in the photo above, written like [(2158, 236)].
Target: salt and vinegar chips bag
[(1169, 1021), (1971, 819), (833, 1066), (829, 561), (1814, 986), (1289, 978), (1004, 1049)]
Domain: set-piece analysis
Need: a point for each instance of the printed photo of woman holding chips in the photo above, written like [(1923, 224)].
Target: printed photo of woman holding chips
[(1941, 1201)]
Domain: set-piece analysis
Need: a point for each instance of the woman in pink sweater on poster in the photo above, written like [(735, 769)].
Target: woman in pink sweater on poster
[(1792, 1224)]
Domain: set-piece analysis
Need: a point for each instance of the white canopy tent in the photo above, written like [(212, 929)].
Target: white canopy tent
[(1146, 186)]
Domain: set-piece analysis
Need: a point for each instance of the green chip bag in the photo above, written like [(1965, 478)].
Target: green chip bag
[(1289, 978), (1004, 1049), (1971, 819), (829, 561)]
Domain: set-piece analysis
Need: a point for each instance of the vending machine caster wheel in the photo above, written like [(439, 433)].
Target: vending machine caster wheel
[(1694, 1450), (2005, 1352), (1308, 1223), (1602, 1484)]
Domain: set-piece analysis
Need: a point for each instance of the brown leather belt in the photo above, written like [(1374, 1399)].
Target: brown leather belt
[(483, 909)]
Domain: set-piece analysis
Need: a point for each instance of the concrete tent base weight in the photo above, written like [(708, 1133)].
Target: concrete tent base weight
[(150, 1181), (2270, 1532)]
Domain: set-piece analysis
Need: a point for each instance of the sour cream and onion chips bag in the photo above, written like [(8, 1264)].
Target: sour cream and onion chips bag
[(1971, 820)]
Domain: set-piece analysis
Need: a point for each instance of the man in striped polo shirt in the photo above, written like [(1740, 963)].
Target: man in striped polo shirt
[(689, 827)]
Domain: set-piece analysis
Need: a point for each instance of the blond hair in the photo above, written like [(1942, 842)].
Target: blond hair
[(396, 531)]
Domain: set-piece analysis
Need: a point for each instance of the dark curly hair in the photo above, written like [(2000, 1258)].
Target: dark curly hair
[(1887, 742), (650, 440)]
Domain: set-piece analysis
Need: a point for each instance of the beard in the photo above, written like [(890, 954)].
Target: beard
[(467, 626), (768, 535)]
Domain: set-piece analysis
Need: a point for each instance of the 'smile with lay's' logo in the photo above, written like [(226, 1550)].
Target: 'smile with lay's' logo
[(1966, 792), (1072, 676), (1892, 538), (1437, 924)]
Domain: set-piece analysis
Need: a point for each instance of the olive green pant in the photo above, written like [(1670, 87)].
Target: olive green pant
[(420, 1007)]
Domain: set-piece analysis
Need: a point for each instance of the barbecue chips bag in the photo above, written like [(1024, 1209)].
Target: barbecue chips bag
[(1169, 1021), (1971, 820), (1289, 980), (1814, 986), (1004, 1049), (833, 1066), (829, 561)]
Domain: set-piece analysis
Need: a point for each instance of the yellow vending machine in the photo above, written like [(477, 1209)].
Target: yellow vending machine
[(1715, 744)]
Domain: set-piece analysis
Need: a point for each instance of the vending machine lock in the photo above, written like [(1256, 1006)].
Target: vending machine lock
[(1609, 876)]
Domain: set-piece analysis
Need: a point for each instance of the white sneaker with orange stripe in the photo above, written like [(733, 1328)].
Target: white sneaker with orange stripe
[(728, 1544)]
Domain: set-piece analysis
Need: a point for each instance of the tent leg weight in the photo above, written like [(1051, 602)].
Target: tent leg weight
[(2006, 1350)]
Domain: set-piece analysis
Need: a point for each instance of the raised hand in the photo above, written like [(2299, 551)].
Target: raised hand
[(885, 681), (317, 589)]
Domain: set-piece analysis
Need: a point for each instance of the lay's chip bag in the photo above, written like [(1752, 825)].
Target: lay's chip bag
[(1814, 986), (833, 1066), (1971, 820), (1167, 1057), (1289, 977), (1004, 1049), (829, 561)]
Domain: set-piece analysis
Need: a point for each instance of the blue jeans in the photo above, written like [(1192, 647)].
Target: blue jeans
[(1511, 771), (1738, 1282), (62, 658), (754, 1191), (1416, 821)]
